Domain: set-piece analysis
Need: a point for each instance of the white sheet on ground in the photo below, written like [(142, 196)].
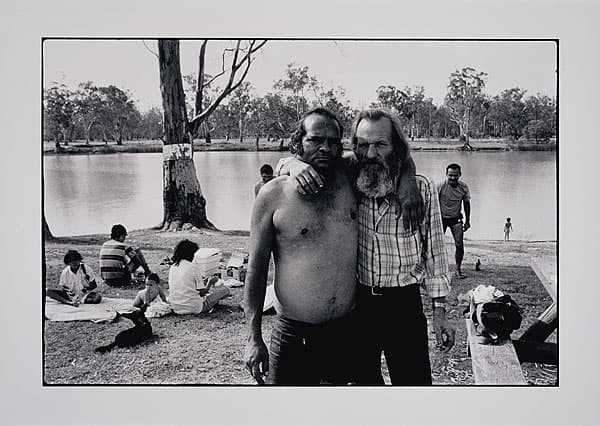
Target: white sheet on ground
[(104, 311)]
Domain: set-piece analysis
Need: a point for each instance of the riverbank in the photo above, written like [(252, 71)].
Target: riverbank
[(208, 348), (141, 146)]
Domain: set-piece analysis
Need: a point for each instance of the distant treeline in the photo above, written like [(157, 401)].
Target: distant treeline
[(109, 113)]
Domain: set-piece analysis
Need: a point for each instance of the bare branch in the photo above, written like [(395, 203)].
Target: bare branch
[(149, 50), (245, 60)]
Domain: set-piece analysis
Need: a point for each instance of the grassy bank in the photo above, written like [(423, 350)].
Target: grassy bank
[(208, 348), (80, 147)]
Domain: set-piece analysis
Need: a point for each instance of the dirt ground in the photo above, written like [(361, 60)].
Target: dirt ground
[(208, 348)]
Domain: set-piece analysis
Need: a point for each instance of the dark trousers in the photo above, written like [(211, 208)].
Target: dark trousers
[(303, 354), (393, 322)]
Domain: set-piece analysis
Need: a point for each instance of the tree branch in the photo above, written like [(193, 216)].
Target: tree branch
[(149, 50), (246, 60)]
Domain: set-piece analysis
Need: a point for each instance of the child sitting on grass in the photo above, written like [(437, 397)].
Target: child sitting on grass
[(153, 289), (76, 282)]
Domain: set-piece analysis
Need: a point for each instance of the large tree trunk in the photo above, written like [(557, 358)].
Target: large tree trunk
[(183, 201), (46, 229)]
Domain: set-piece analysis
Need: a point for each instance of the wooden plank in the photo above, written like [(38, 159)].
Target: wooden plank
[(494, 364), (545, 268)]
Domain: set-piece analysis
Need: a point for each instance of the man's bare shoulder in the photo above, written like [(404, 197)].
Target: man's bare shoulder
[(274, 189)]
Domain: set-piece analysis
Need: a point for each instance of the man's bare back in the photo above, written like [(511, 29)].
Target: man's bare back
[(315, 240)]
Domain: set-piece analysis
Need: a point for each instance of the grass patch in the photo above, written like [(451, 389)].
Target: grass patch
[(208, 348)]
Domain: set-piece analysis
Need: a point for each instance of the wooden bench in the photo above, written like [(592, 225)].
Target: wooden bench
[(500, 363), (493, 363)]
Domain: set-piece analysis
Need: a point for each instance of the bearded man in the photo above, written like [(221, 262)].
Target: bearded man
[(313, 239), (394, 263)]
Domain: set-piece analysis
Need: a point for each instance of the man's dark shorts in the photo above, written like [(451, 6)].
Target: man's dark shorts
[(312, 354), (450, 222)]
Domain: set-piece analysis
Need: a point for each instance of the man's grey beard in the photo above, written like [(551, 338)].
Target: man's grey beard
[(374, 180)]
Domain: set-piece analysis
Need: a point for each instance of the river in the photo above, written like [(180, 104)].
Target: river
[(87, 194)]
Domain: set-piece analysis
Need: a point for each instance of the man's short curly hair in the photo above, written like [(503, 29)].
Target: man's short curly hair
[(300, 131)]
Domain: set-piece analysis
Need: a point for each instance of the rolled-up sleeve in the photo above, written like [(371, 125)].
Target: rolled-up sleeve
[(437, 277)]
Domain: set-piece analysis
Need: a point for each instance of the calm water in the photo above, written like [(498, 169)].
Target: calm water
[(88, 194)]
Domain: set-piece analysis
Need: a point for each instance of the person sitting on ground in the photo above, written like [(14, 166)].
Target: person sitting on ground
[(189, 291), (114, 268), (266, 174), (76, 281), (152, 291)]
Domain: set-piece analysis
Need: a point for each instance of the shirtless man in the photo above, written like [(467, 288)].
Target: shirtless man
[(266, 174), (313, 240)]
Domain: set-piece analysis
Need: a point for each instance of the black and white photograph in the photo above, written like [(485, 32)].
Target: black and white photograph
[(398, 189), (252, 220)]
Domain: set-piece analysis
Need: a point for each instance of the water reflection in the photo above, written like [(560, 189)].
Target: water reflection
[(87, 194)]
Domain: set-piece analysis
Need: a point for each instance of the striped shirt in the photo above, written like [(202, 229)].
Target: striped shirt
[(112, 259), (389, 256)]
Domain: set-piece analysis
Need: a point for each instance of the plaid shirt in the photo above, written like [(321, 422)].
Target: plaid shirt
[(389, 256)]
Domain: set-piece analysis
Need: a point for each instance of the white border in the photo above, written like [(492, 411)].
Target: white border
[(24, 401)]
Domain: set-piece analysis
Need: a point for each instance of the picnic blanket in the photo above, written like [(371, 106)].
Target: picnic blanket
[(105, 311)]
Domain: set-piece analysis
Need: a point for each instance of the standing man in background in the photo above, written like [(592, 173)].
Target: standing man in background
[(266, 174), (454, 194)]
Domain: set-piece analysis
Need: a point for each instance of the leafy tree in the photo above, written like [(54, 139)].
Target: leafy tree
[(540, 111), (59, 113), (183, 202), (296, 85), (240, 106), (442, 123), (414, 109), (335, 101), (465, 94), (89, 108), (391, 98), (117, 112), (426, 114), (508, 111), (150, 126), (280, 116), (409, 104), (257, 122)]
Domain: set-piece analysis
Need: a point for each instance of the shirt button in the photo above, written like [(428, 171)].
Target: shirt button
[(375, 234)]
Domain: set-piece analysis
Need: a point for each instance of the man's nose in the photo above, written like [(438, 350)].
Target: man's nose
[(325, 146), (372, 151)]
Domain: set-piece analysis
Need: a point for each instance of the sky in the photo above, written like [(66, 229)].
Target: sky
[(358, 66)]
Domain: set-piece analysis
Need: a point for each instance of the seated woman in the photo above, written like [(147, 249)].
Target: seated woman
[(188, 292), (76, 281)]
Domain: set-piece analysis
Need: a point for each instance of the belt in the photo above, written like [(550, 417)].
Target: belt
[(380, 291)]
